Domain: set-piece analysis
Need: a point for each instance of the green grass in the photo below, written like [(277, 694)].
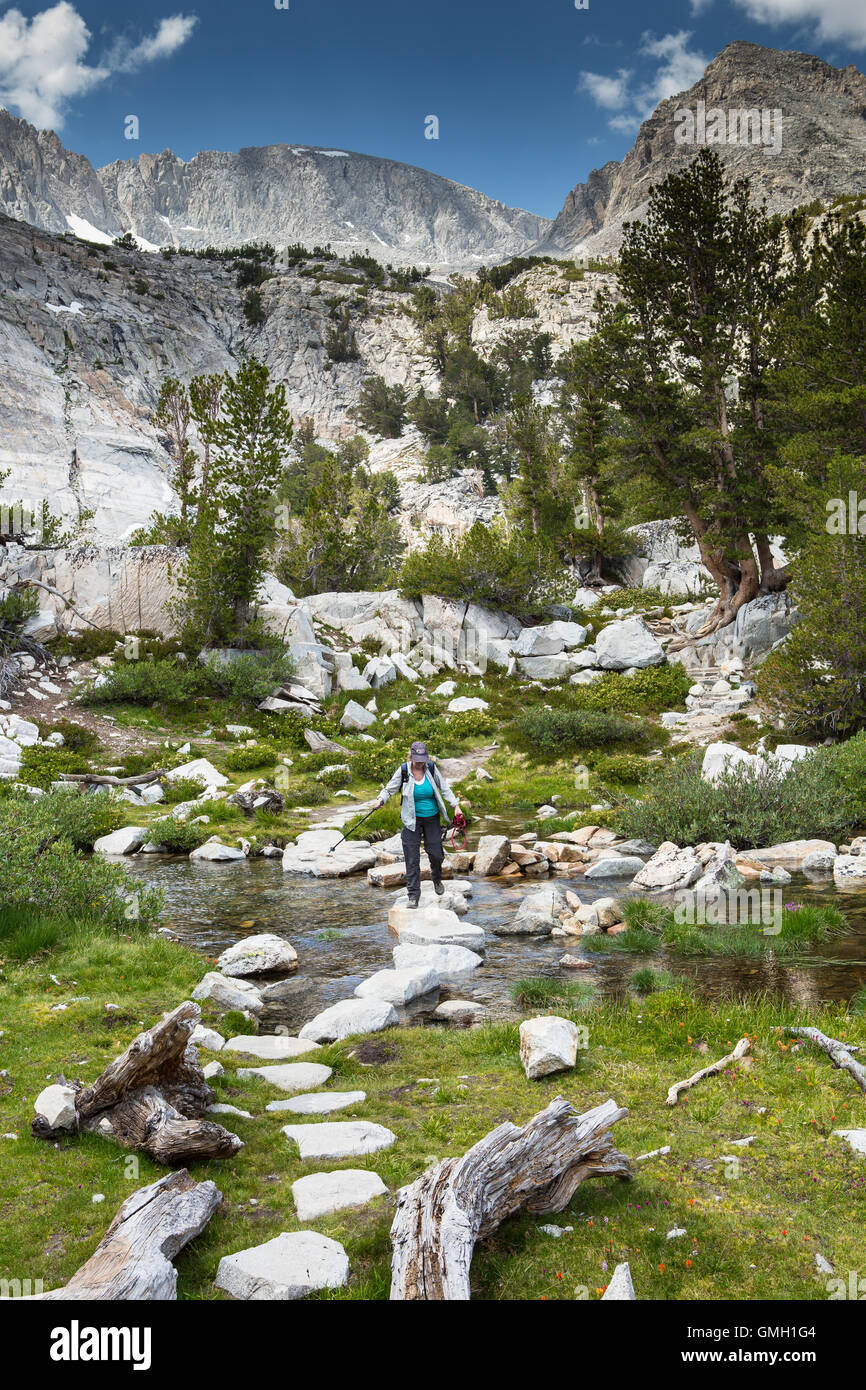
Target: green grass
[(797, 1191)]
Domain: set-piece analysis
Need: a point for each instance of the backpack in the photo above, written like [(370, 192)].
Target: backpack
[(404, 772)]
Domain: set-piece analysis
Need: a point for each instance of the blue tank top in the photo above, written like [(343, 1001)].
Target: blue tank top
[(425, 799)]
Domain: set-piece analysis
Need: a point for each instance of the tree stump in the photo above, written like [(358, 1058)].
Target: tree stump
[(444, 1213), (153, 1097)]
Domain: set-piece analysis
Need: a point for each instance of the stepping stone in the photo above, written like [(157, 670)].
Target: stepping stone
[(348, 1017), (289, 1266), (319, 1194), (445, 960), (270, 1047), (297, 1076), (460, 1013), (398, 986), (229, 1110), (427, 933), (340, 1139), (319, 1102), (228, 994), (259, 955)]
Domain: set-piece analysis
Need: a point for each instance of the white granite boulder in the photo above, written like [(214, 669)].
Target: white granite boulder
[(56, 1106), (547, 1044), (537, 915), (291, 1076), (626, 644), (269, 1047), (492, 854), (125, 841), (445, 960), (262, 954), (669, 869), (228, 994)]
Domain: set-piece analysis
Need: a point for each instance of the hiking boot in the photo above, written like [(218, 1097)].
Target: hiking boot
[(438, 887), (413, 902)]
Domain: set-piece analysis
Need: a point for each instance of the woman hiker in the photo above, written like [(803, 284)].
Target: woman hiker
[(423, 787)]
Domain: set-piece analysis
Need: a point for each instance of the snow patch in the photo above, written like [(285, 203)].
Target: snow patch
[(76, 307), (144, 245), (86, 230), (334, 154)]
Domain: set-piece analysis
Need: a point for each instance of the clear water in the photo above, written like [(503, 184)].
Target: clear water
[(339, 929)]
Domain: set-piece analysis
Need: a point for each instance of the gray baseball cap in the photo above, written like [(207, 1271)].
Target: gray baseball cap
[(418, 753)]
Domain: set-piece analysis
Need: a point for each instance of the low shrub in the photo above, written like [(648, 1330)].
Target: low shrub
[(750, 808), (42, 871), (646, 692), (180, 789), (178, 836), (553, 732), (76, 738), (250, 676), (148, 682), (245, 759), (620, 768), (41, 766)]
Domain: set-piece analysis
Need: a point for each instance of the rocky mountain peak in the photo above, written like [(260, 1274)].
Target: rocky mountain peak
[(809, 142)]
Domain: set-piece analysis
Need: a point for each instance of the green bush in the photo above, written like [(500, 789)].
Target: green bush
[(848, 762), (250, 676), (552, 732), (750, 808), (620, 768), (147, 683), (90, 642), (41, 766), (245, 759), (371, 764), (43, 872), (179, 789), (76, 738), (487, 565), (334, 777), (646, 692), (178, 836)]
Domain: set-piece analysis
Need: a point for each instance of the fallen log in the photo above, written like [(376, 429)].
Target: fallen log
[(839, 1054), (133, 1261), (152, 1098), (444, 1213), (93, 779), (742, 1047)]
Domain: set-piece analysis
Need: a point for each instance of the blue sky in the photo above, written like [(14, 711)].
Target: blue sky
[(529, 96)]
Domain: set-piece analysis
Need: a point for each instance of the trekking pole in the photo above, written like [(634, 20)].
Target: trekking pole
[(351, 829)]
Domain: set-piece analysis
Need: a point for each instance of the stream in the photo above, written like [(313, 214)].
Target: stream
[(339, 930)]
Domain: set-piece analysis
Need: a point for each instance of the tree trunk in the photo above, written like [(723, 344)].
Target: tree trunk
[(153, 1097), (460, 1201), (133, 1261)]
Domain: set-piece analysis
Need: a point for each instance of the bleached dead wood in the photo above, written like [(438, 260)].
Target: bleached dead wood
[(444, 1213), (839, 1054), (93, 779), (153, 1097), (742, 1047), (133, 1261)]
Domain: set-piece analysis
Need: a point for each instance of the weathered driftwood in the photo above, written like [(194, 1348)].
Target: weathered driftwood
[(459, 1201), (839, 1054), (93, 779), (133, 1261), (742, 1047), (153, 1097)]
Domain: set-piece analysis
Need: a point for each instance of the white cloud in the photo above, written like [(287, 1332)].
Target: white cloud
[(43, 60), (171, 35), (609, 92), (834, 20), (677, 68)]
